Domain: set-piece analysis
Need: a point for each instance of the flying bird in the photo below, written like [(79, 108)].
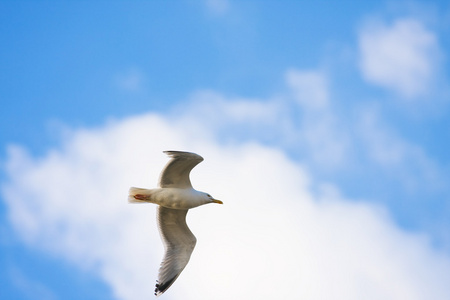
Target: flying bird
[(174, 198)]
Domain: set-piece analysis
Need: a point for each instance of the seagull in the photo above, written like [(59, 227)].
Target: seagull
[(174, 198)]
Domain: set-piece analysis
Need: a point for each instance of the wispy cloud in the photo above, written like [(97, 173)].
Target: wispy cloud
[(318, 129), (400, 159), (310, 88), (401, 56)]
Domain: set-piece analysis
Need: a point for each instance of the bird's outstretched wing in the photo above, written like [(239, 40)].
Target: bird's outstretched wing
[(176, 172), (179, 243)]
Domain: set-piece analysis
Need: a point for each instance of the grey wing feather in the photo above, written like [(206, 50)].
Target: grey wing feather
[(179, 243), (176, 172)]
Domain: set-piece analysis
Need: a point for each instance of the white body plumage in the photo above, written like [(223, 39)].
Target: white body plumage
[(174, 198)]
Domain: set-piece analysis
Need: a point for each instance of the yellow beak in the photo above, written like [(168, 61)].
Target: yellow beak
[(217, 201)]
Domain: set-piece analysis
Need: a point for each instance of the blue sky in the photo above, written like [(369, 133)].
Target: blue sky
[(353, 94)]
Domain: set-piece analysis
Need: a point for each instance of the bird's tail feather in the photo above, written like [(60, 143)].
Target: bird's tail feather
[(138, 195)]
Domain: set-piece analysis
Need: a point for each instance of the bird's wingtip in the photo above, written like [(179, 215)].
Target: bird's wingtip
[(174, 152), (183, 154), (161, 288)]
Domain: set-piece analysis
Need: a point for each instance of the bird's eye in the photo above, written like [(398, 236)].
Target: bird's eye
[(208, 195)]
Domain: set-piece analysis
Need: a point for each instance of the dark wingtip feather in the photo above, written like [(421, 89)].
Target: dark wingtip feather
[(162, 287)]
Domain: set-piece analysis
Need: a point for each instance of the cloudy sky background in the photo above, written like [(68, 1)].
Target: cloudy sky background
[(324, 128)]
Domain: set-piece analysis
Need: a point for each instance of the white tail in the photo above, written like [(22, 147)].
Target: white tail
[(138, 195)]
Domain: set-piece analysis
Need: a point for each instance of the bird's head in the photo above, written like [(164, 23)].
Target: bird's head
[(211, 199)]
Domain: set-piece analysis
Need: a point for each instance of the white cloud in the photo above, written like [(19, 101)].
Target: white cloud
[(320, 131), (303, 115), (310, 88), (403, 160), (244, 117), (402, 56), (273, 238)]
